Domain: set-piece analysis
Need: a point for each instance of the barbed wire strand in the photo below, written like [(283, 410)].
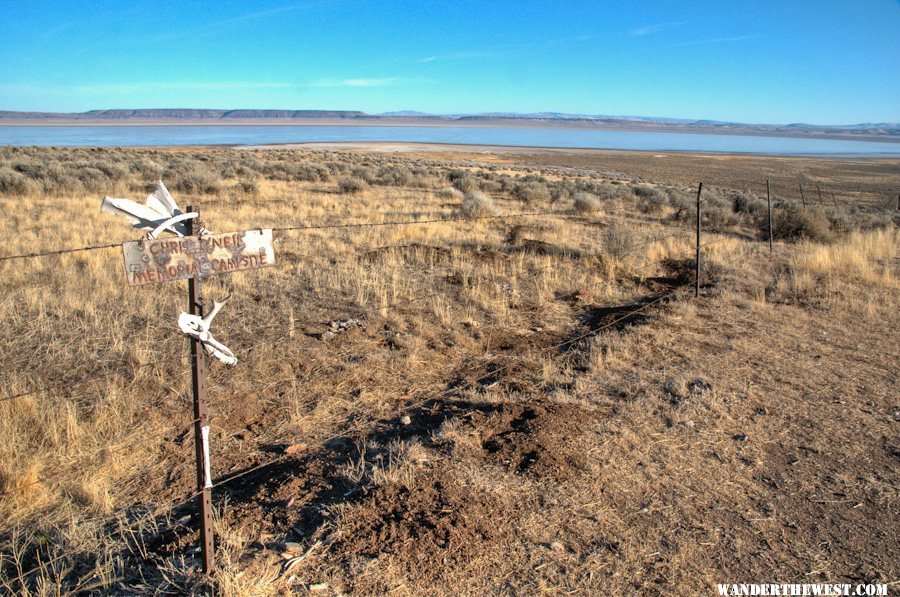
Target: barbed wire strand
[(301, 227), (229, 478)]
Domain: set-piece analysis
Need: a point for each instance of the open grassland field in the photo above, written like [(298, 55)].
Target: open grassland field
[(512, 404)]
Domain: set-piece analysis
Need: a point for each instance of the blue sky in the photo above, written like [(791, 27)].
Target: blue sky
[(767, 62)]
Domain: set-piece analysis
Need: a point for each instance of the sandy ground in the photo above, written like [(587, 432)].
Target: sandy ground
[(398, 147), (825, 180)]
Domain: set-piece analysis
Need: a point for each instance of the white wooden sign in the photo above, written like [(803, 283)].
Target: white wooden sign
[(171, 259)]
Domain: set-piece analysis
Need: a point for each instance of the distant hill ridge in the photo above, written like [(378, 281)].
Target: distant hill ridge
[(187, 113), (888, 131)]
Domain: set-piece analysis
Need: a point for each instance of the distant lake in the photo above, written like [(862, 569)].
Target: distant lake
[(512, 136)]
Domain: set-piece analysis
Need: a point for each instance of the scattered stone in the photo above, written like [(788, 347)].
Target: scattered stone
[(292, 547), (405, 420), (699, 386), (342, 325), (582, 295), (295, 448), (557, 546), (184, 520), (322, 586)]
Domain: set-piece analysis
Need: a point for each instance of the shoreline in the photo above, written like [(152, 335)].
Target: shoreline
[(439, 147), (403, 123)]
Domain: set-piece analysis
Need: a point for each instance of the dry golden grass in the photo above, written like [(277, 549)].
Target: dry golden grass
[(82, 461)]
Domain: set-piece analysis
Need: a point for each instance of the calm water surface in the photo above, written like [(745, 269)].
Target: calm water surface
[(528, 137)]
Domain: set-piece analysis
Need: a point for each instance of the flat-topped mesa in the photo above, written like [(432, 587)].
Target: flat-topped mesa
[(182, 114)]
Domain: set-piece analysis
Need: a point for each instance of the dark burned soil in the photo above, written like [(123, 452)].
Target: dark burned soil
[(427, 517), (694, 453), (681, 448)]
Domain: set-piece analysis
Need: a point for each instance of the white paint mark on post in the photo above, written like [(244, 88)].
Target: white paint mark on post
[(207, 476)]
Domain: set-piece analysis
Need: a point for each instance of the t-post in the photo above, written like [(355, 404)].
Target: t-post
[(769, 202), (194, 254), (697, 264), (201, 422)]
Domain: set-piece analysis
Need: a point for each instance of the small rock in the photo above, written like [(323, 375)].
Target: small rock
[(322, 586), (341, 325), (699, 386), (582, 295), (557, 546), (405, 420), (292, 547), (295, 448)]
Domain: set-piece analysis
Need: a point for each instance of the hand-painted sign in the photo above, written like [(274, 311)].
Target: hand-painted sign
[(170, 259)]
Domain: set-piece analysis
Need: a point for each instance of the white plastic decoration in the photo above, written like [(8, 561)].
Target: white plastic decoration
[(159, 214), (198, 327)]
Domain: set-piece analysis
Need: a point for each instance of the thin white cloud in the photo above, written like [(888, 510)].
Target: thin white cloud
[(383, 82), (503, 50), (463, 55), (225, 23), (254, 15), (25, 89), (718, 40), (655, 28)]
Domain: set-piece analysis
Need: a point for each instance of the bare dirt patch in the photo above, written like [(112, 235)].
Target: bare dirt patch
[(535, 439)]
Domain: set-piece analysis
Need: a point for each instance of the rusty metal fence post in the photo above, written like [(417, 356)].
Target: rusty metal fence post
[(201, 422), (769, 201), (697, 264)]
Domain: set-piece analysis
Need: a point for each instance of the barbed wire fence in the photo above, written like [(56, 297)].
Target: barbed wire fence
[(132, 372)]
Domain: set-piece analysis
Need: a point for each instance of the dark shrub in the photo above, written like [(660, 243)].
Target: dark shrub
[(15, 183), (352, 185), (619, 241), (394, 176), (249, 188), (747, 203), (199, 180), (532, 192), (478, 205), (586, 203), (651, 200), (466, 184), (797, 223)]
